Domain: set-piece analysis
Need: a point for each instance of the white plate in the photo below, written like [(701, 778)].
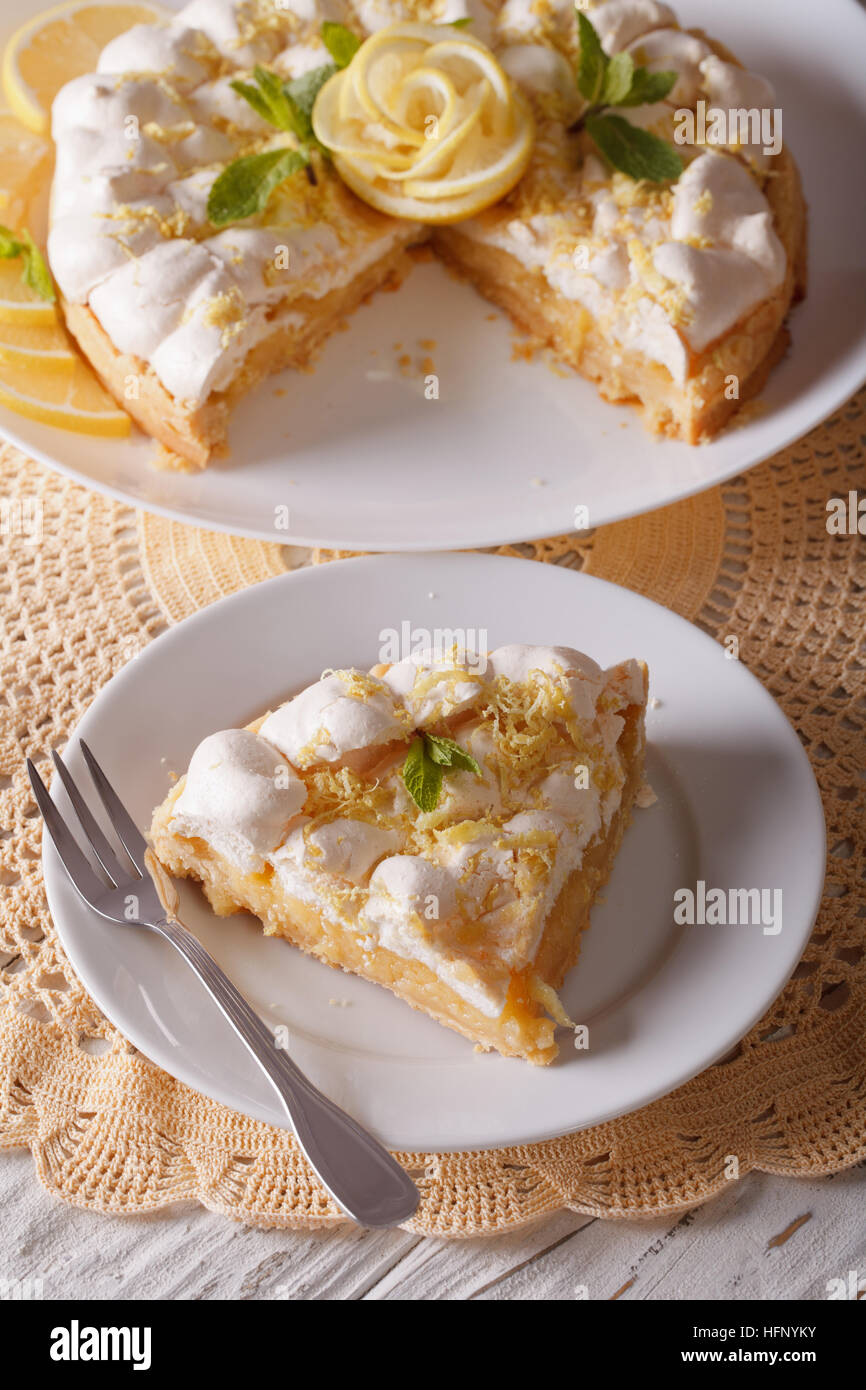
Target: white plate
[(362, 461), (737, 807)]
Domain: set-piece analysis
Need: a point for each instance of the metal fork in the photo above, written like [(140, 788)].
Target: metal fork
[(359, 1173)]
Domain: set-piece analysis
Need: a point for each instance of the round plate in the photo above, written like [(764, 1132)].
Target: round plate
[(737, 808), (354, 456)]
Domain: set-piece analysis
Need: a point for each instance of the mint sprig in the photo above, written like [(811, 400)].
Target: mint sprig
[(606, 82), (34, 271), (447, 753), (245, 186), (593, 61), (428, 759), (286, 105), (648, 87), (301, 92), (340, 42), (635, 152)]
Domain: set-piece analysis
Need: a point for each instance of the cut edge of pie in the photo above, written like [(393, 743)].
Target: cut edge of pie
[(195, 435), (694, 412)]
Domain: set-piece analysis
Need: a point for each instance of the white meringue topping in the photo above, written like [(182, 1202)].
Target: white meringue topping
[(224, 22), (240, 796), (436, 685), (539, 69), (619, 22), (146, 301), (347, 848), (343, 712), (411, 900), (580, 675), (740, 260), (670, 50), (467, 794), (162, 48), (730, 88)]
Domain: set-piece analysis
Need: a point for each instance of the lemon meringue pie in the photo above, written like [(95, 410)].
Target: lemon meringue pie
[(468, 904), (671, 296)]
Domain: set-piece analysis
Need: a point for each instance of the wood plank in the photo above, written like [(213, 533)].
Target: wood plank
[(461, 1269), (182, 1253), (719, 1251), (751, 1241)]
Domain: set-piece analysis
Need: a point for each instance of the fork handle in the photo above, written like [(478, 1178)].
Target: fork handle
[(359, 1173)]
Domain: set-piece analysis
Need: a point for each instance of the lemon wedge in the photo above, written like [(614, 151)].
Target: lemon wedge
[(58, 45), (39, 348), (19, 304), (72, 400), (26, 162), (26, 166), (424, 124)]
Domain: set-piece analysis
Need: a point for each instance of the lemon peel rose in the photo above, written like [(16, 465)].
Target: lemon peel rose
[(424, 124)]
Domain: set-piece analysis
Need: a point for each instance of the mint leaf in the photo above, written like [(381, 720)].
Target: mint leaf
[(449, 754), (460, 23), (648, 87), (286, 105), (340, 42), (429, 757), (633, 151), (255, 98), (617, 79), (422, 776), (465, 762), (10, 246), (270, 100), (244, 187), (301, 95), (34, 272), (302, 91), (593, 61), (283, 108), (300, 123)]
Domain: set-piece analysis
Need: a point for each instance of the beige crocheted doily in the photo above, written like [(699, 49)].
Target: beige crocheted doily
[(110, 1131)]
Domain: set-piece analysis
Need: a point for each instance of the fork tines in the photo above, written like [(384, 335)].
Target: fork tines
[(74, 860)]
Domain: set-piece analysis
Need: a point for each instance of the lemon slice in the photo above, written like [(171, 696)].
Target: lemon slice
[(62, 43), (26, 166), (26, 162), (424, 124), (73, 401), (18, 303), (38, 348)]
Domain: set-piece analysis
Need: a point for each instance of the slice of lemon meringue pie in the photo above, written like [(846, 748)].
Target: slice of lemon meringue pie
[(234, 181), (440, 826)]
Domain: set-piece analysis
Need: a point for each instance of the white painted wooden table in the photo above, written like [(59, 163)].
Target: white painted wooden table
[(750, 1242)]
